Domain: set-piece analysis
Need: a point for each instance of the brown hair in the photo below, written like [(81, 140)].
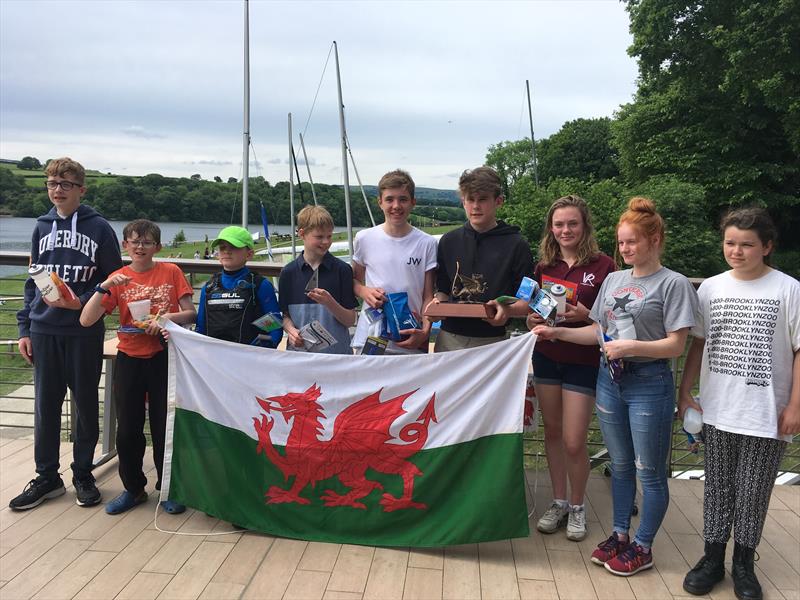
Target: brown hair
[(396, 179), (482, 180), (549, 250), (642, 215), (62, 166), (753, 218), (314, 217), (142, 228)]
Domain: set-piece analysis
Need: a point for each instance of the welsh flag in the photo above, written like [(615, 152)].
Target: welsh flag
[(417, 451)]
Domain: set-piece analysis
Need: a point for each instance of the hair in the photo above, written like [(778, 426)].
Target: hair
[(62, 166), (396, 179), (481, 180), (753, 218), (549, 250), (142, 228), (642, 216), (314, 217)]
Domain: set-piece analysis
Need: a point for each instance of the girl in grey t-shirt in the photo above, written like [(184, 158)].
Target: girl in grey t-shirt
[(635, 407)]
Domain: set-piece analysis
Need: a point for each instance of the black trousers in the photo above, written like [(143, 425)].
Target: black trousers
[(137, 379), (61, 361)]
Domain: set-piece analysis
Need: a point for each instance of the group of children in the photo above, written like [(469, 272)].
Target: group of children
[(630, 381)]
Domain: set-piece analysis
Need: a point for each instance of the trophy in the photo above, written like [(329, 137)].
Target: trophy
[(464, 290)]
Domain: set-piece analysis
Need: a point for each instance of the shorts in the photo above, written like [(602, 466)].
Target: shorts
[(572, 377)]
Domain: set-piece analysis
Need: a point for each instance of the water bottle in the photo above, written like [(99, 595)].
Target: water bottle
[(559, 293), (43, 281), (626, 330), (692, 421)]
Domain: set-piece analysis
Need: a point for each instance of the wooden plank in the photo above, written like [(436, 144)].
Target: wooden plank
[(336, 595), (352, 569), (124, 567), (173, 554), (127, 526), (197, 572), (461, 576), (273, 576), (222, 591), (144, 586), (530, 556), (498, 575), (670, 563), (42, 570), (570, 575), (781, 540), (605, 584), (423, 584), (307, 585), (319, 556), (387, 574), (10, 447), (530, 589), (426, 558), (72, 579), (243, 561), (648, 584), (789, 495)]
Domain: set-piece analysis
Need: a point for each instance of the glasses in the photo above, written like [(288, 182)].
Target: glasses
[(141, 243), (65, 185)]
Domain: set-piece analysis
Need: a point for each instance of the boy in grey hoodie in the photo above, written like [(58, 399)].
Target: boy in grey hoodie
[(80, 246)]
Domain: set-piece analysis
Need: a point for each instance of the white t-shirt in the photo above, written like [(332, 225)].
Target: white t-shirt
[(396, 264), (752, 330)]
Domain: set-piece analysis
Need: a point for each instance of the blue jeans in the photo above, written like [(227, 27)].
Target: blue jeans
[(636, 420)]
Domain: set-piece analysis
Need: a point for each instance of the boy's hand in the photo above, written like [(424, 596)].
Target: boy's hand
[(500, 317), (321, 296), (26, 349), (66, 303), (115, 280), (153, 328), (416, 338), (533, 320), (295, 339), (575, 314), (375, 297)]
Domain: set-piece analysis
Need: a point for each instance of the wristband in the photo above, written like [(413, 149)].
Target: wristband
[(101, 290)]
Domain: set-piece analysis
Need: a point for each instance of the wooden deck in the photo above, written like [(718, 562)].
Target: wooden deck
[(60, 550)]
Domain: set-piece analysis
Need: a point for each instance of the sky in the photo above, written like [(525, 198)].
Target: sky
[(156, 86)]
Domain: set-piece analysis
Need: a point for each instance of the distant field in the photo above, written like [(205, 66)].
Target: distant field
[(35, 179)]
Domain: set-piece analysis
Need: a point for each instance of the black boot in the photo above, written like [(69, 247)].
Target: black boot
[(745, 583), (708, 572)]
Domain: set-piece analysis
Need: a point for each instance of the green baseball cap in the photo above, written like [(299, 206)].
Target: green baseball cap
[(235, 236)]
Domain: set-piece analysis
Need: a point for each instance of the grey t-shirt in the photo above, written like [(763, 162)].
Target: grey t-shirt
[(659, 303)]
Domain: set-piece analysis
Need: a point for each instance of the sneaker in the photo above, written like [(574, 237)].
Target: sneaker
[(576, 524), (172, 508), (553, 518), (124, 502), (86, 492), (631, 560), (608, 549), (37, 491)]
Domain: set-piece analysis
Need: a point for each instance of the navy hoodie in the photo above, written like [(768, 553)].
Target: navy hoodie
[(83, 249), (501, 255)]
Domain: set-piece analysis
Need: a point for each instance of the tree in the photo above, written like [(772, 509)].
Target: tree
[(581, 149), (195, 177), (217, 179), (232, 180), (717, 101), (30, 163), (511, 160)]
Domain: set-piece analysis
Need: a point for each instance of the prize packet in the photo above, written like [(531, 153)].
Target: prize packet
[(375, 346), (268, 322)]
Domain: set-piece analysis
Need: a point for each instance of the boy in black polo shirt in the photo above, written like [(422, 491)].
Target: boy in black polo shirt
[(330, 300)]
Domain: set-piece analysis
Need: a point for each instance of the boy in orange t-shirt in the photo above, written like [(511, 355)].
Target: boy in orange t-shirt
[(141, 366)]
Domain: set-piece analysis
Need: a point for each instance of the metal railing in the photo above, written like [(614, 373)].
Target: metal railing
[(16, 376)]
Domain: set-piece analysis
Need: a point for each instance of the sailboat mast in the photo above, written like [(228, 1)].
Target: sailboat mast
[(246, 135), (308, 168), (344, 154), (291, 187), (533, 139)]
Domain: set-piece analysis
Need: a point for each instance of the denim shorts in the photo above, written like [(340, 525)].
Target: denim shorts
[(572, 377)]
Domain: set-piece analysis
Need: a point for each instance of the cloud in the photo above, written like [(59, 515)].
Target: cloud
[(276, 161), (141, 132), (213, 163)]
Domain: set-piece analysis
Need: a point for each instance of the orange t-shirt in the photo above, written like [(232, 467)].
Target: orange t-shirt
[(164, 285)]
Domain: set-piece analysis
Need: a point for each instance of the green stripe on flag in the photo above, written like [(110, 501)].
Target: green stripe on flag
[(474, 491)]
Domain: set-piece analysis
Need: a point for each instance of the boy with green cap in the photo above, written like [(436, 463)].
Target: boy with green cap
[(231, 300)]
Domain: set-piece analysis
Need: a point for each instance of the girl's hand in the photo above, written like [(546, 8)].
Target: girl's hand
[(575, 314), (620, 349), (115, 280), (687, 401), (545, 332), (789, 420), (533, 320)]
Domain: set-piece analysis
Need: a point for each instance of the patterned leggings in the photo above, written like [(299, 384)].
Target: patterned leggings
[(740, 473)]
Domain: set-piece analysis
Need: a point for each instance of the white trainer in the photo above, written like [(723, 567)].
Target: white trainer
[(553, 518), (576, 524)]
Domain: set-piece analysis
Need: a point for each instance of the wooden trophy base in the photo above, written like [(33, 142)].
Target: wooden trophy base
[(459, 309)]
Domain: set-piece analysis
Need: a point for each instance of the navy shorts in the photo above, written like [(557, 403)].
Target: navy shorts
[(572, 377)]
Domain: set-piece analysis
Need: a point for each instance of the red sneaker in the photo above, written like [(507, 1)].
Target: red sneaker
[(630, 561), (608, 549)]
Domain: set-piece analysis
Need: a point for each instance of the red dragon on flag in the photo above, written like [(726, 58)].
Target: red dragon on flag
[(361, 440)]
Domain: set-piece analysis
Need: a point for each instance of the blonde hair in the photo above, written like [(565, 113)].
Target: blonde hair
[(61, 166), (550, 251), (314, 217), (642, 216)]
